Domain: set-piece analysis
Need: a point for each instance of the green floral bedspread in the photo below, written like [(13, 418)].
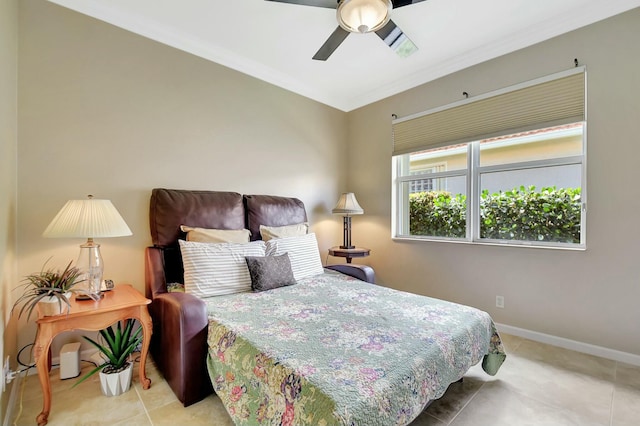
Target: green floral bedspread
[(332, 350)]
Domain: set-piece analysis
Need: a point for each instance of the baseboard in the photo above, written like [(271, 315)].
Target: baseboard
[(15, 390), (573, 345)]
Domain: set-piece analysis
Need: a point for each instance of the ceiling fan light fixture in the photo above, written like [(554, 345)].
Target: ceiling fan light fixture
[(363, 16)]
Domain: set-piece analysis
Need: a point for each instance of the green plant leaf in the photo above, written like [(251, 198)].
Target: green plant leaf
[(120, 343), (89, 374), (552, 213), (107, 351)]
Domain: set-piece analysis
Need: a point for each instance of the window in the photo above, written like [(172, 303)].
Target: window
[(523, 188)]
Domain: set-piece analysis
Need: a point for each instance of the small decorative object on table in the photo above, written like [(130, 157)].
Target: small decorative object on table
[(107, 285), (116, 372), (49, 290)]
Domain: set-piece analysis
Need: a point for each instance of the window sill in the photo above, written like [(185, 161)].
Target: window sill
[(519, 244)]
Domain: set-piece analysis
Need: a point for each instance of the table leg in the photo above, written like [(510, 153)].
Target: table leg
[(41, 352), (147, 330)]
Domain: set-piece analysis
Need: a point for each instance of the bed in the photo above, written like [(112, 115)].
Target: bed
[(330, 349)]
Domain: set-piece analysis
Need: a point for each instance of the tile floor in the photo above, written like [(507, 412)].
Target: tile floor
[(538, 385)]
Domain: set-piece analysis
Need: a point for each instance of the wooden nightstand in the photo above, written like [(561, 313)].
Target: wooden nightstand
[(118, 304), (349, 253)]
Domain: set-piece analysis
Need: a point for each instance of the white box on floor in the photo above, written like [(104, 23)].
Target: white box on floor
[(70, 360)]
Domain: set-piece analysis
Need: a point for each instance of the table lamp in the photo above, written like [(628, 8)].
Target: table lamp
[(90, 218), (347, 205)]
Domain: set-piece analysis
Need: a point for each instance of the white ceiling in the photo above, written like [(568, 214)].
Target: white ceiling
[(275, 41)]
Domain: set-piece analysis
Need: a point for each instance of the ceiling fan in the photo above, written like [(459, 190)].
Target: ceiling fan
[(362, 16)]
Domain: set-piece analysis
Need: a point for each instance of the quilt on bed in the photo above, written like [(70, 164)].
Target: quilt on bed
[(332, 350)]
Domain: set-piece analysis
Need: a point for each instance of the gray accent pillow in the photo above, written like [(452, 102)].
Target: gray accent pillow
[(270, 272)]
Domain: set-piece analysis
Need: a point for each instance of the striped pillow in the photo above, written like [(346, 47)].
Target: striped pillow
[(303, 253), (217, 269)]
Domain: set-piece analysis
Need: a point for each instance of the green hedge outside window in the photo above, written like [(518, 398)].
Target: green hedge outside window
[(523, 213)]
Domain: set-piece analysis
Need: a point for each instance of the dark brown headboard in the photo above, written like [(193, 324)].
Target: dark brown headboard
[(270, 210), (170, 208)]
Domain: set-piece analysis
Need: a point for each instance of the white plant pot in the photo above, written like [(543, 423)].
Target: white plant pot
[(115, 384), (51, 305)]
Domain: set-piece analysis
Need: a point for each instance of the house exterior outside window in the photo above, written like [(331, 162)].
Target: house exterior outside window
[(426, 184)]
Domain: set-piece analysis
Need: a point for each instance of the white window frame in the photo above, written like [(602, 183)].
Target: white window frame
[(473, 172)]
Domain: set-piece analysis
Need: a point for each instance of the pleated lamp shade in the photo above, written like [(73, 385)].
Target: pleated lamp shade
[(90, 218)]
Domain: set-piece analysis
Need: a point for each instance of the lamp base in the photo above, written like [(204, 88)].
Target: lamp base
[(346, 244), (84, 296), (90, 265)]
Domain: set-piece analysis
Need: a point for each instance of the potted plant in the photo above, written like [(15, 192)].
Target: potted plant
[(116, 371), (49, 289)]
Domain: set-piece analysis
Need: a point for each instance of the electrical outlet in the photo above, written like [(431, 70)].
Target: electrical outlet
[(499, 302)]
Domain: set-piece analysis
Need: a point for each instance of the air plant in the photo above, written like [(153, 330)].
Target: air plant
[(47, 283)]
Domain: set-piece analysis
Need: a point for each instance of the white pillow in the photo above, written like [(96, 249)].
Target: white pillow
[(204, 235), (303, 253), (270, 232), (217, 269)]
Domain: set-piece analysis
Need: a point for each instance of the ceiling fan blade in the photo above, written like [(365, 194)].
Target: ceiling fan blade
[(329, 4), (332, 43), (400, 3), (393, 36)]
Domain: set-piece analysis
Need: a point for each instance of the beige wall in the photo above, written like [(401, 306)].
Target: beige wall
[(589, 296), (105, 112), (8, 147)]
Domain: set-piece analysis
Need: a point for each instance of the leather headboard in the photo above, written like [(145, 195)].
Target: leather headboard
[(170, 208), (270, 210)]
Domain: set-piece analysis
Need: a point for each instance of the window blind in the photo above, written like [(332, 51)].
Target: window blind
[(548, 101)]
